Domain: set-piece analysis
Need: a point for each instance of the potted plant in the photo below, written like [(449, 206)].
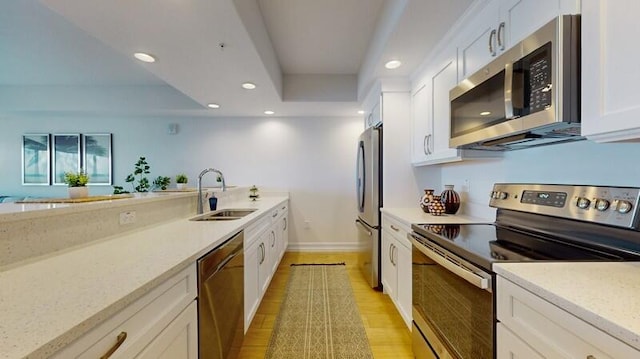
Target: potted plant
[(181, 181), (77, 184)]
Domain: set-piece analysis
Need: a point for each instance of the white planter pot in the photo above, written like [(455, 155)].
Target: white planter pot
[(181, 185), (78, 192)]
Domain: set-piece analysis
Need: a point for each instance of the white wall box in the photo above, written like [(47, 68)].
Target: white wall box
[(161, 324), (610, 106), (547, 331), (396, 265)]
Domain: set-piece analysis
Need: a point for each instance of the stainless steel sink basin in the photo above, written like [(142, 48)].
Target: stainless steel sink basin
[(224, 214)]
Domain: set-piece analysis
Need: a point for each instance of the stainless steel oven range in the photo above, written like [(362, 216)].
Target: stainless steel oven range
[(453, 281)]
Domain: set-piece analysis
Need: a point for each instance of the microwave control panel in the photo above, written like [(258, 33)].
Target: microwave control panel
[(538, 64)]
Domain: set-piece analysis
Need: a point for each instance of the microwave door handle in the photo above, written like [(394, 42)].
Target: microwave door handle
[(508, 91)]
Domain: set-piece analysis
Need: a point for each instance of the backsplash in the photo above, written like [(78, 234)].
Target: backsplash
[(583, 162)]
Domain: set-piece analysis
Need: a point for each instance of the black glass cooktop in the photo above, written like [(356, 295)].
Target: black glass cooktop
[(484, 244)]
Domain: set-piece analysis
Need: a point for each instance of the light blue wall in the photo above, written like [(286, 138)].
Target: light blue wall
[(582, 162)]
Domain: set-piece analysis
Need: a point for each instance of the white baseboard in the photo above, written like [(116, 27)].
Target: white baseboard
[(323, 247)]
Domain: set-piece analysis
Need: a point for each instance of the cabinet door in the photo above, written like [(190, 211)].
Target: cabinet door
[(403, 264), (389, 271), (252, 257), (284, 233), (443, 80), (264, 263), (178, 340), (520, 18), (477, 42), (610, 72), (510, 346), (422, 127)]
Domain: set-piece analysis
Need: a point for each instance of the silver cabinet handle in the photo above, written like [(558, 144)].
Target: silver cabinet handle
[(395, 228), (492, 36), (500, 36), (275, 214), (273, 239), (391, 253), (425, 145), (591, 357), (119, 341), (285, 224), (262, 253)]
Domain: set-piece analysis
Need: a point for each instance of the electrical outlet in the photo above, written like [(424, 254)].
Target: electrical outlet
[(307, 224), (128, 217)]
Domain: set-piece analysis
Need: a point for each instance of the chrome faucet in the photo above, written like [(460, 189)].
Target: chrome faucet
[(224, 187)]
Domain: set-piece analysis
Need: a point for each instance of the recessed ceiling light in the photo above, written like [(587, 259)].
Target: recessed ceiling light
[(393, 64), (144, 57), (361, 112), (248, 86), (213, 105), (269, 112), (485, 113)]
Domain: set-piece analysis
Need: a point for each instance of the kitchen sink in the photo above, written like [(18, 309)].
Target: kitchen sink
[(224, 214)]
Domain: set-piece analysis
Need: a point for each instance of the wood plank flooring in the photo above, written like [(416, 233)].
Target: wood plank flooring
[(388, 335)]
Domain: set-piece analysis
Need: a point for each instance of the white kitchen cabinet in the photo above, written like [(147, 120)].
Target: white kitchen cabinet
[(179, 340), (548, 330), (502, 23), (166, 313), (265, 243), (610, 105), (396, 265), (431, 110), (374, 116)]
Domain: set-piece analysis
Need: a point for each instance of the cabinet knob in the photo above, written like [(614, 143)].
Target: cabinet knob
[(591, 357)]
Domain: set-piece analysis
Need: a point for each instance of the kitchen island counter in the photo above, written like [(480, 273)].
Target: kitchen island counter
[(603, 294), (48, 303)]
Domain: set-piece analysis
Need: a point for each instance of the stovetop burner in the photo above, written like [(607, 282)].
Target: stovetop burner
[(547, 222)]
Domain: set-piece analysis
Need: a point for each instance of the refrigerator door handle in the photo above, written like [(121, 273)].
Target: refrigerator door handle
[(363, 227)]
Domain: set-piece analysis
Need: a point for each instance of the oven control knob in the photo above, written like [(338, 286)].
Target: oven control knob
[(503, 195), (602, 204), (624, 206), (492, 195), (583, 203)]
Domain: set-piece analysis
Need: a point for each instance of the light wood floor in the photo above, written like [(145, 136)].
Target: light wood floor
[(388, 335)]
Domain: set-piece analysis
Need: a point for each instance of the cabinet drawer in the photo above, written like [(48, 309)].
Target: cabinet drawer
[(253, 232), (278, 212), (398, 229), (550, 330), (142, 320)]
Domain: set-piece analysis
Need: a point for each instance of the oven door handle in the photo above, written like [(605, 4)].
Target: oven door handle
[(471, 277)]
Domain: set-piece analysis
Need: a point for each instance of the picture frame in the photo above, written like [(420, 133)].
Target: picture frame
[(36, 159), (97, 160), (66, 156)]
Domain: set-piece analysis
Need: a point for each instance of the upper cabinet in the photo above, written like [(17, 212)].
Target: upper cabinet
[(610, 108), (502, 23)]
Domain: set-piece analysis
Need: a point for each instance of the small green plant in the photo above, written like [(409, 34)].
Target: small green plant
[(161, 182), (141, 168), (182, 178), (76, 179)]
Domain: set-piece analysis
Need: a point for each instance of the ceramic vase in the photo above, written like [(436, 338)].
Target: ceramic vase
[(425, 199), (436, 207), (450, 199), (78, 192), (181, 186)]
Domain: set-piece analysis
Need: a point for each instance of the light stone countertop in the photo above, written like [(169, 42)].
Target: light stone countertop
[(603, 294), (47, 304), (417, 215)]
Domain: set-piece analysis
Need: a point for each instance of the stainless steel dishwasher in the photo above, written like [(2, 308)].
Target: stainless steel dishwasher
[(221, 300)]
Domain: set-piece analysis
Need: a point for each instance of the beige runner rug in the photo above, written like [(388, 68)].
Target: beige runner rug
[(318, 317)]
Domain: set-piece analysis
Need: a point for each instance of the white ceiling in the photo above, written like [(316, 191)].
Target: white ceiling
[(308, 57)]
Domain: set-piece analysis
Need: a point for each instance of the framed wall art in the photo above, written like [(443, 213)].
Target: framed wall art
[(66, 156), (36, 159), (97, 162)]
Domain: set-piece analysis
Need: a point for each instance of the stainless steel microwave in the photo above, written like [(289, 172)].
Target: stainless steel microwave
[(528, 96)]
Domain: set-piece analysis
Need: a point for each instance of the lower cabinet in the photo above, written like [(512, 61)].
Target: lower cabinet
[(531, 327), (161, 324), (265, 243), (396, 265)]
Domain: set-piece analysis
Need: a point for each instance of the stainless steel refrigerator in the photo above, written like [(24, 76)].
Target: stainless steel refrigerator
[(369, 195)]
